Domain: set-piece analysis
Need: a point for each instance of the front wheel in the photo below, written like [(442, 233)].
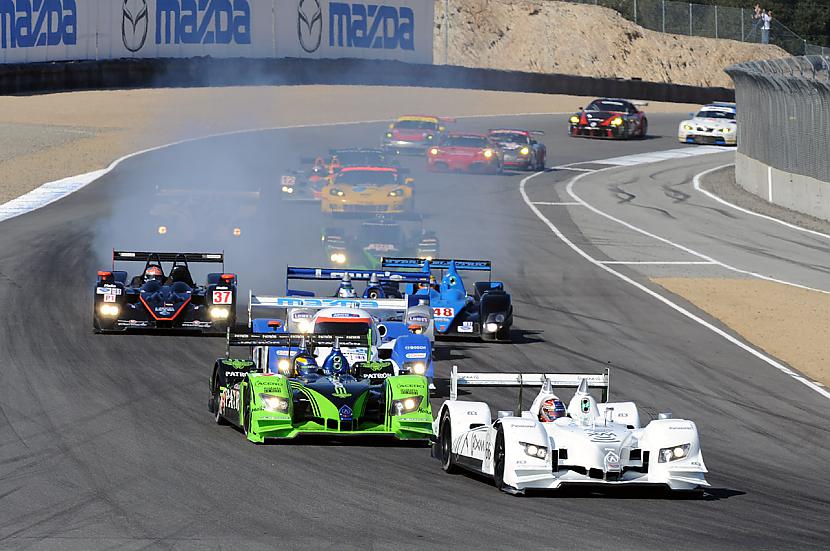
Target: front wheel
[(498, 461), (445, 445)]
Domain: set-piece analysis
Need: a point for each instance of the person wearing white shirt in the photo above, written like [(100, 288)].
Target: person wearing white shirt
[(767, 20)]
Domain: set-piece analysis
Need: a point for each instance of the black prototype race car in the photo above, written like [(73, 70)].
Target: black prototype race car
[(610, 119), (155, 299)]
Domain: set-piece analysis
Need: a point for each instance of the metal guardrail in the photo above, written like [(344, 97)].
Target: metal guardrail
[(784, 117), (709, 21)]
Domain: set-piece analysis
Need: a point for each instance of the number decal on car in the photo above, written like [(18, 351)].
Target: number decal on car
[(443, 312), (222, 297)]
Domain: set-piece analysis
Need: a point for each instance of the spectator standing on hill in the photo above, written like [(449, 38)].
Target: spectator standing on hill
[(767, 18), (756, 21)]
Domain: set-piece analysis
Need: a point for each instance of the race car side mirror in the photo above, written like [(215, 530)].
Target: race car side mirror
[(382, 330), (408, 180), (441, 128), (579, 108)]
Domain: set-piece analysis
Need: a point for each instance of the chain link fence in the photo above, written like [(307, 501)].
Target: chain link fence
[(784, 119), (707, 21)]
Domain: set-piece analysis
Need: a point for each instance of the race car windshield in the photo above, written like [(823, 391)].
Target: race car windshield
[(466, 141), (367, 178), (415, 125), (359, 158), (510, 137), (341, 329), (610, 106), (707, 114)]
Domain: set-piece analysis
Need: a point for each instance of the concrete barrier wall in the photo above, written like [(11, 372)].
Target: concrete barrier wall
[(793, 191), (33, 78)]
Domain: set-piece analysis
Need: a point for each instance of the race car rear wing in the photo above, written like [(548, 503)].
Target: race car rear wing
[(557, 380), (135, 256), (287, 340), (333, 274), (437, 264), (318, 303)]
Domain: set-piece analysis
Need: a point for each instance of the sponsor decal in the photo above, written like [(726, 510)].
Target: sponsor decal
[(612, 461), (466, 327), (416, 355), (109, 297), (477, 442), (345, 315), (33, 23), (345, 413), (419, 319), (203, 22), (340, 390), (415, 347), (290, 302), (108, 291), (134, 23), (309, 26), (376, 375), (358, 25), (596, 436), (164, 310)]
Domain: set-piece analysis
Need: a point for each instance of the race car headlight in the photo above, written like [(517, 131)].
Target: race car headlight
[(491, 327), (109, 310), (338, 258), (162, 230), (617, 121), (688, 127), (237, 232), (336, 192), (524, 151), (388, 134), (396, 193), (416, 368), (274, 404), (287, 189), (487, 153), (430, 137), (727, 129), (540, 452), (433, 151), (406, 405), (674, 453), (219, 313), (574, 119), (284, 366), (305, 326)]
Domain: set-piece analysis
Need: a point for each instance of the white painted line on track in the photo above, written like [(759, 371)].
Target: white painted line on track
[(674, 306), (660, 262), (569, 167), (655, 156), (683, 248), (558, 203), (698, 187)]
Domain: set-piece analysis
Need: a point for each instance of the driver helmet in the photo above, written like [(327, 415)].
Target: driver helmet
[(430, 285), (346, 289), (152, 273), (551, 410), (334, 165)]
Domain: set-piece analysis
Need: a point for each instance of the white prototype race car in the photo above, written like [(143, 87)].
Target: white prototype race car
[(586, 443), (714, 124)]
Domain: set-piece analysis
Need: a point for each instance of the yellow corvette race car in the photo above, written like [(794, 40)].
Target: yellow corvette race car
[(370, 189)]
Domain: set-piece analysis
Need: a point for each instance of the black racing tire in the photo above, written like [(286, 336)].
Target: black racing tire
[(503, 334), (498, 461), (214, 401), (445, 445), (246, 417), (644, 130)]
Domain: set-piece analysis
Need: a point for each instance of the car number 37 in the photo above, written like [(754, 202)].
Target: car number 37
[(222, 297)]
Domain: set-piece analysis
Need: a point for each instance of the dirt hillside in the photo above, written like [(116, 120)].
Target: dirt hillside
[(547, 36)]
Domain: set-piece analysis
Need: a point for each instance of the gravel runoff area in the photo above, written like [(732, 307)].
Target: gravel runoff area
[(49, 137), (789, 323)]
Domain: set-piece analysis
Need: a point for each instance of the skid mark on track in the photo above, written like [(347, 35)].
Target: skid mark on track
[(658, 296)]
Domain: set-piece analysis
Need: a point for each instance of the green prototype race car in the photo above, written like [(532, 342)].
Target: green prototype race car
[(297, 396)]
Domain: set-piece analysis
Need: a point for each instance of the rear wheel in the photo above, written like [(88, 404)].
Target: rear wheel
[(246, 418), (445, 445), (498, 461), (215, 400), (644, 129)]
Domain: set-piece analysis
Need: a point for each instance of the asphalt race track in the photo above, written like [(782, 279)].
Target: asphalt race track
[(106, 441)]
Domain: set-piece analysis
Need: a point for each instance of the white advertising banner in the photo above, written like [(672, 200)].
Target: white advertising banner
[(61, 30), (373, 29)]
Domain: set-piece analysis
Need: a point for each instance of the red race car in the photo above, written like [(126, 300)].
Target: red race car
[(466, 153), (609, 118)]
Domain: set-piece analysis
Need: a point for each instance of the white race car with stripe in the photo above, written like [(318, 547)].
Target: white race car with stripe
[(714, 124), (595, 443)]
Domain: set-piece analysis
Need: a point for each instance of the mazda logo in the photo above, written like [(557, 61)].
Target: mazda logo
[(134, 24), (309, 25)]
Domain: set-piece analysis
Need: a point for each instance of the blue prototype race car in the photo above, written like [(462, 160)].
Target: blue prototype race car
[(487, 313)]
